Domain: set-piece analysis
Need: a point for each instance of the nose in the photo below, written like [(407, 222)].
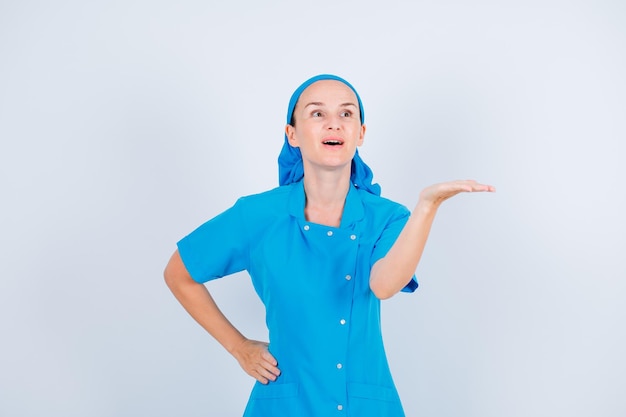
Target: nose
[(333, 123)]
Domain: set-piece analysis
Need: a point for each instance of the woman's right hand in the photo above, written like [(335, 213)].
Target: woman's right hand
[(254, 357)]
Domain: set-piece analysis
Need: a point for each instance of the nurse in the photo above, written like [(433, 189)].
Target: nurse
[(322, 250)]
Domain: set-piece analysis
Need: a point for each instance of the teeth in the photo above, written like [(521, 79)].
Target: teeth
[(332, 142)]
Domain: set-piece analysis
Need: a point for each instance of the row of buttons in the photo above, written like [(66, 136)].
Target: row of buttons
[(329, 233), (348, 277), (340, 365)]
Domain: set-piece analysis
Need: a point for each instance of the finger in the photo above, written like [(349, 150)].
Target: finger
[(269, 362), (261, 374), (267, 356), (484, 187), (272, 369), (260, 378), (476, 186), (266, 374), (454, 187)]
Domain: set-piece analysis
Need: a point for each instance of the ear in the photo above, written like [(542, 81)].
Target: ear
[(361, 136), (290, 131)]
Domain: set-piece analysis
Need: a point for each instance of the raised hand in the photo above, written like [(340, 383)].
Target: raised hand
[(438, 193), (254, 357), (391, 273)]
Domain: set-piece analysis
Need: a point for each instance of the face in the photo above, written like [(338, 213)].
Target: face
[(327, 127)]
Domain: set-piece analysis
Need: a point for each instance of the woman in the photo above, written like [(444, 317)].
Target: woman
[(322, 250)]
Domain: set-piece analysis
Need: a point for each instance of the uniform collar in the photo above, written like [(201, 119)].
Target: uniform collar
[(353, 210)]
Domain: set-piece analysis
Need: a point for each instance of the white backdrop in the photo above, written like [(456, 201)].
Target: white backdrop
[(126, 124)]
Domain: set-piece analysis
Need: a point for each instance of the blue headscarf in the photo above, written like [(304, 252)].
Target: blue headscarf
[(290, 167)]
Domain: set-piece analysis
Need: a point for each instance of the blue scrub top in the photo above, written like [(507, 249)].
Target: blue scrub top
[(323, 319)]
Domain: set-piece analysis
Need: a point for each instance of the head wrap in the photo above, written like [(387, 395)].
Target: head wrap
[(290, 167)]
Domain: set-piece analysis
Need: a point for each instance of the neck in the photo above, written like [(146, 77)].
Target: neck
[(325, 196)]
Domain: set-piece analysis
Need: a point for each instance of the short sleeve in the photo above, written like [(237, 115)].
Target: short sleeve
[(217, 248), (388, 238)]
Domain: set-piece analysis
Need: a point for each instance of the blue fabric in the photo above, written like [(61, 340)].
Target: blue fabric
[(290, 168), (323, 319)]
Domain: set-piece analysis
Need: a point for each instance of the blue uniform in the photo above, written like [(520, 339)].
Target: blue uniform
[(323, 319)]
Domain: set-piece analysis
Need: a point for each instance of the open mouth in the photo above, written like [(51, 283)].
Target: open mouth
[(333, 142)]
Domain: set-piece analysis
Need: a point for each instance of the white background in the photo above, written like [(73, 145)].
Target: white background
[(126, 124)]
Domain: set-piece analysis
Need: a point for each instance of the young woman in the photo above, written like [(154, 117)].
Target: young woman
[(322, 250)]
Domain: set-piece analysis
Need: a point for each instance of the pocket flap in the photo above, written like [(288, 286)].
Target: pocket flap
[(374, 392)]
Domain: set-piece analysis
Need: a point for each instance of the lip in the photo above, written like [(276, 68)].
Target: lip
[(336, 140)]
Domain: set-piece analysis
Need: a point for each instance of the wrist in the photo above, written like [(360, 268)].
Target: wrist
[(426, 207), (234, 347)]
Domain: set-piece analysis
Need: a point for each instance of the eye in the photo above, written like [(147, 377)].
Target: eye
[(316, 113), (346, 113)]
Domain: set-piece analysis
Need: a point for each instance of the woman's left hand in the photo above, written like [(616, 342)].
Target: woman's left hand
[(438, 193), (392, 273)]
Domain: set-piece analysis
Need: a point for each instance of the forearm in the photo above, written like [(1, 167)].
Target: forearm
[(391, 273), (197, 300)]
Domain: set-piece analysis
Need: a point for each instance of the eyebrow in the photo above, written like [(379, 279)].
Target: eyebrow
[(317, 103)]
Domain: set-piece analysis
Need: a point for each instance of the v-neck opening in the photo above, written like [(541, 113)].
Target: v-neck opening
[(353, 210)]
